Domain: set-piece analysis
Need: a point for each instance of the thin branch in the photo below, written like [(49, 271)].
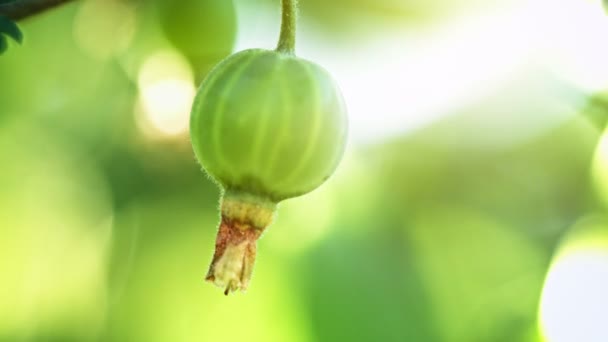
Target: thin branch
[(22, 9)]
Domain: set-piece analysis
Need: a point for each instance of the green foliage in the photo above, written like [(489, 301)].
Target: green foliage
[(203, 30), (597, 110), (8, 28)]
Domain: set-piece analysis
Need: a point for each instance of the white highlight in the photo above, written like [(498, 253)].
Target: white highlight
[(573, 34), (167, 90), (574, 303)]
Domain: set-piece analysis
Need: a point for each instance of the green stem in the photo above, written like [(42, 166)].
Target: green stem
[(287, 39)]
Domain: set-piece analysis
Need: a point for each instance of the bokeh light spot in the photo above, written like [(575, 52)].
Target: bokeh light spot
[(166, 92), (574, 303), (105, 28)]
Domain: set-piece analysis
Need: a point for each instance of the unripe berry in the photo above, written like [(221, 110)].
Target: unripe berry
[(266, 126)]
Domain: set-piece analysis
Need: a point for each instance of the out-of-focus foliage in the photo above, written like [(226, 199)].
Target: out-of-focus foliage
[(55, 236), (466, 228), (203, 30), (597, 110), (10, 29)]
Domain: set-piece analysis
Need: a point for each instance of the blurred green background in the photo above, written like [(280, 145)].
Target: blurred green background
[(469, 206)]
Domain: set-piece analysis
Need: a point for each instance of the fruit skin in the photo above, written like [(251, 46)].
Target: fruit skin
[(268, 124)]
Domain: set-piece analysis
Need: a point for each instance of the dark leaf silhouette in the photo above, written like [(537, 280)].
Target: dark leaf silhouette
[(9, 28)]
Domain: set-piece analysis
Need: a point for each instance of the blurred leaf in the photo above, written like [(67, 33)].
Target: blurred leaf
[(203, 30), (484, 278), (9, 28), (597, 110), (366, 288)]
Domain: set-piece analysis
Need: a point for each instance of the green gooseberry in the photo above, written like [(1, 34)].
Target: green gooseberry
[(269, 124), (203, 30), (266, 126)]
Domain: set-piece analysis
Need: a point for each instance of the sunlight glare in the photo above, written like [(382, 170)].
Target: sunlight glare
[(166, 84), (408, 77), (574, 303), (572, 35)]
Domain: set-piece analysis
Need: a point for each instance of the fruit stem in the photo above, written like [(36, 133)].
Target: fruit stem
[(287, 39)]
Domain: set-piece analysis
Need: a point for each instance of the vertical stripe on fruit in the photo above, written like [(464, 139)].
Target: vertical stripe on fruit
[(312, 140), (220, 111)]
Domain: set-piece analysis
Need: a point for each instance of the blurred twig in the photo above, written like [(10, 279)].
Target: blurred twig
[(21, 9)]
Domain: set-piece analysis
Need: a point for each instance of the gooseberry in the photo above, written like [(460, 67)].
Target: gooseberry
[(266, 126)]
